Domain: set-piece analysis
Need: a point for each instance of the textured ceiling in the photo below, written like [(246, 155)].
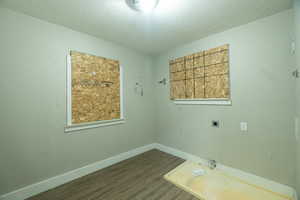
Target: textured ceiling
[(173, 23)]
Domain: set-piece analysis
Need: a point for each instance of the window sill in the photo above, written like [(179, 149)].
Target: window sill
[(224, 102), (73, 128)]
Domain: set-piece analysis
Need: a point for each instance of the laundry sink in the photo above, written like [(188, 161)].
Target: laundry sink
[(217, 185)]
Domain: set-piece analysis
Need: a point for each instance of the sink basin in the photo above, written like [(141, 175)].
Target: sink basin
[(217, 185)]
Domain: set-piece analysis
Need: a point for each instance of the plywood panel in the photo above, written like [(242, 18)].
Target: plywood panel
[(190, 88), (216, 55), (224, 47), (180, 64), (222, 57), (173, 66), (178, 89), (219, 69), (190, 74), (199, 61), (198, 54), (217, 49), (199, 88), (199, 72), (217, 86), (95, 88), (177, 65), (176, 76), (209, 59), (210, 71), (189, 62)]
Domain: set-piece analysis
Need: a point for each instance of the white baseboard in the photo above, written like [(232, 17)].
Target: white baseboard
[(253, 179), (48, 184)]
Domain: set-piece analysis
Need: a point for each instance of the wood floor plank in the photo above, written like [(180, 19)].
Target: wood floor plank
[(138, 178)]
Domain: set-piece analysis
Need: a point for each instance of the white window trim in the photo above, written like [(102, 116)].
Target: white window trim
[(225, 102), (74, 127)]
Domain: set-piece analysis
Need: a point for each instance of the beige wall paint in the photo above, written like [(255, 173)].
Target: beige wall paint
[(262, 95), (33, 145), (297, 34)]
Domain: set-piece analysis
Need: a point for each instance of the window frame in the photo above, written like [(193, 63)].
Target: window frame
[(70, 127), (224, 102), (205, 101)]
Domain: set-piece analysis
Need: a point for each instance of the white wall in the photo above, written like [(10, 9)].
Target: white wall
[(33, 145), (262, 95)]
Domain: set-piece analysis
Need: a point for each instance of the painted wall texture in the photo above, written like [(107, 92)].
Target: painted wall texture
[(33, 144), (297, 34), (262, 95), (33, 102)]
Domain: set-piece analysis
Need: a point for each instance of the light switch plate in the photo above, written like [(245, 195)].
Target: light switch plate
[(244, 126)]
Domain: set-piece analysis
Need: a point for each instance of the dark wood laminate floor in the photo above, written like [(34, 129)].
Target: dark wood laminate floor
[(138, 178)]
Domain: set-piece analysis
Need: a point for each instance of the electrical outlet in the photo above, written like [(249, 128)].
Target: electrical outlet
[(244, 126)]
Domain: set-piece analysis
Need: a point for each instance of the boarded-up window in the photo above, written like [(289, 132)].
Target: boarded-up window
[(203, 75), (95, 92)]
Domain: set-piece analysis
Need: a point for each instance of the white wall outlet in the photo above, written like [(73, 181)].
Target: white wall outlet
[(244, 126)]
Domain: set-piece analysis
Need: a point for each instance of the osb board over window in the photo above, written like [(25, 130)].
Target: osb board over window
[(203, 75), (95, 88)]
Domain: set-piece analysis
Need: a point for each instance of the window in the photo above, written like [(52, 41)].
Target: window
[(201, 77), (94, 90)]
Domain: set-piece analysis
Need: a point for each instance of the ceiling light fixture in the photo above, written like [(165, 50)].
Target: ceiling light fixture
[(145, 6)]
